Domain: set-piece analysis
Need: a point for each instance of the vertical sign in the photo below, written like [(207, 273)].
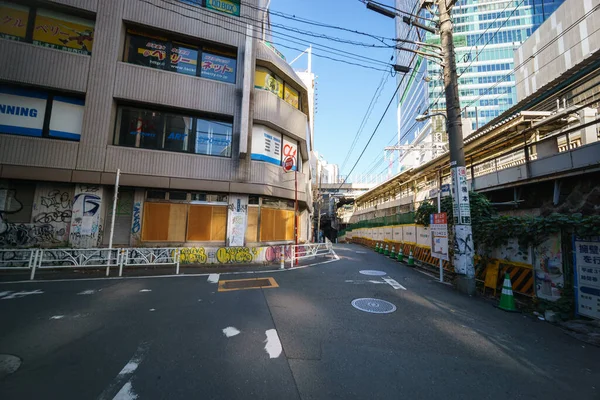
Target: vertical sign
[(439, 236), (587, 276), (290, 149), (236, 220), (461, 191)]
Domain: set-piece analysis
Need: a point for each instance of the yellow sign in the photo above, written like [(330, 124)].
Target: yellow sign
[(291, 96), (13, 21), (264, 79), (63, 32)]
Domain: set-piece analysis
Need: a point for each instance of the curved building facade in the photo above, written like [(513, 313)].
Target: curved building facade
[(184, 98)]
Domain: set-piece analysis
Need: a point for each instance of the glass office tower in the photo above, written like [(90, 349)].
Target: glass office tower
[(486, 33)]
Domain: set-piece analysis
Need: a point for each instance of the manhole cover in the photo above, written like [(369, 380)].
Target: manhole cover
[(238, 284), (372, 272), (375, 306)]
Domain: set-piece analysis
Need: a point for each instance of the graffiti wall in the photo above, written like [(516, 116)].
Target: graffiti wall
[(136, 219), (235, 255), (50, 216), (88, 217)]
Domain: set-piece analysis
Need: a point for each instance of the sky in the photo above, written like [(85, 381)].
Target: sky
[(344, 91)]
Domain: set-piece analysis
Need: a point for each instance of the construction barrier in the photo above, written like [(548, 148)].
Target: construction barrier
[(521, 275)]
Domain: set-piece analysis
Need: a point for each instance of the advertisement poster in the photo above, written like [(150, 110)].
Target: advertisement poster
[(290, 95), (548, 269), (290, 149), (147, 51), (66, 118), (439, 236), (22, 111), (266, 145), (218, 67), (236, 220), (13, 21), (63, 32), (264, 79), (587, 276), (184, 59), (231, 7)]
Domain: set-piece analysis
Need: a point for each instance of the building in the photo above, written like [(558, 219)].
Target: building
[(193, 108), (485, 37)]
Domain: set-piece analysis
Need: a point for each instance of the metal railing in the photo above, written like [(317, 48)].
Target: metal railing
[(73, 259), (143, 256), (16, 259)]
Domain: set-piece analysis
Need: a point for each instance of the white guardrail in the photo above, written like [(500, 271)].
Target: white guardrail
[(40, 259)]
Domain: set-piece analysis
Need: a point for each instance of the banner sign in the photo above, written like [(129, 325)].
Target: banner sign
[(231, 7), (266, 145), (66, 118), (63, 32), (22, 112), (587, 275), (264, 79), (13, 21), (439, 236), (236, 220), (218, 67)]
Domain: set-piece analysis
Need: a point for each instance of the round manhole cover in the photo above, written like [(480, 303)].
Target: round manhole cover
[(372, 272), (375, 306)]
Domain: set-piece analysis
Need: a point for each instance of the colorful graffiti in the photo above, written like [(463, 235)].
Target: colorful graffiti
[(230, 255), (235, 255), (86, 222), (193, 255)]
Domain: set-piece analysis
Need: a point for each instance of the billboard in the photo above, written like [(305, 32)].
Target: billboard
[(231, 7), (290, 95), (64, 32), (13, 21), (266, 145), (22, 112), (218, 67)]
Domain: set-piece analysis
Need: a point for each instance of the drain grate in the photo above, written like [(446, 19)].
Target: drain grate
[(254, 283), (372, 272), (374, 306)]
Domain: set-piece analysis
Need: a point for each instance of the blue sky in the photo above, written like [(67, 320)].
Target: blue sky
[(344, 91)]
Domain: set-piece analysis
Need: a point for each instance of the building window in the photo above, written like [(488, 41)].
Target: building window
[(27, 112), (168, 55), (46, 28), (266, 80), (173, 132)]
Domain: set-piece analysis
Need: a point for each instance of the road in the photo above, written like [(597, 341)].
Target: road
[(182, 338)]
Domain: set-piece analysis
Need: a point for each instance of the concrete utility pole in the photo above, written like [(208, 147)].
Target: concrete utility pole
[(463, 236)]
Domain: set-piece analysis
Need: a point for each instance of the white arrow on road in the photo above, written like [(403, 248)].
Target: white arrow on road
[(393, 283)]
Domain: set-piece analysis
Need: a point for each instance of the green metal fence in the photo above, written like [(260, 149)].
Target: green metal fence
[(398, 219)]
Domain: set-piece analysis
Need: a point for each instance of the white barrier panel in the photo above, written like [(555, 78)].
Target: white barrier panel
[(16, 259), (387, 233), (423, 236), (409, 234), (397, 233)]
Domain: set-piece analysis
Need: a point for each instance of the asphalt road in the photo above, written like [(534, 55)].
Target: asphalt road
[(164, 338)]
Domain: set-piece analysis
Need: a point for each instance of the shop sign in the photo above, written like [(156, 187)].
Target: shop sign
[(290, 149), (587, 275), (266, 145), (67, 118), (63, 32), (13, 21), (22, 112), (219, 68), (231, 7), (438, 224), (184, 60)]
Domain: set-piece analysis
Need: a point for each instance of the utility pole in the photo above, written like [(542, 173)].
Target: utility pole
[(318, 203), (463, 234)]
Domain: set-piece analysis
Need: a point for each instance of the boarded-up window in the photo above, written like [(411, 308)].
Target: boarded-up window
[(252, 229), (207, 223), (276, 224), (164, 222)]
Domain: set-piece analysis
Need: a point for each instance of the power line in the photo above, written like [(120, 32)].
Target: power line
[(255, 37)]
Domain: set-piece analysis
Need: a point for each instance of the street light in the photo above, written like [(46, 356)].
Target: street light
[(425, 117)]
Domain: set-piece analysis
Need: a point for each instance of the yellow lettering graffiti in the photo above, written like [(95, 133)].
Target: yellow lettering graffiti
[(230, 255), (193, 255)]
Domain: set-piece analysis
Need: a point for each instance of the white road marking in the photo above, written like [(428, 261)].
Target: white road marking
[(230, 331), (126, 393), (153, 309), (360, 252), (213, 278), (89, 291), (2, 294), (273, 346), (394, 284), (145, 290), (18, 295), (125, 375), (57, 317), (371, 281)]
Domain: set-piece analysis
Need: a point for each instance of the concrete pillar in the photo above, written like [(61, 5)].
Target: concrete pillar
[(136, 219), (87, 220), (590, 133)]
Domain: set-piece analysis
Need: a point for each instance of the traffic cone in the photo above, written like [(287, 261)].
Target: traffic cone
[(393, 252), (377, 247), (387, 250), (507, 301), (411, 260), (400, 254), (381, 249)]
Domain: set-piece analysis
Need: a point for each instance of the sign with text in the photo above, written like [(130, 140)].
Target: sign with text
[(218, 67), (587, 278), (63, 32), (266, 145), (439, 235), (290, 149), (460, 196), (22, 111), (13, 21)]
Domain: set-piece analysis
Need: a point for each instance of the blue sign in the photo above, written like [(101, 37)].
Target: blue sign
[(219, 68)]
